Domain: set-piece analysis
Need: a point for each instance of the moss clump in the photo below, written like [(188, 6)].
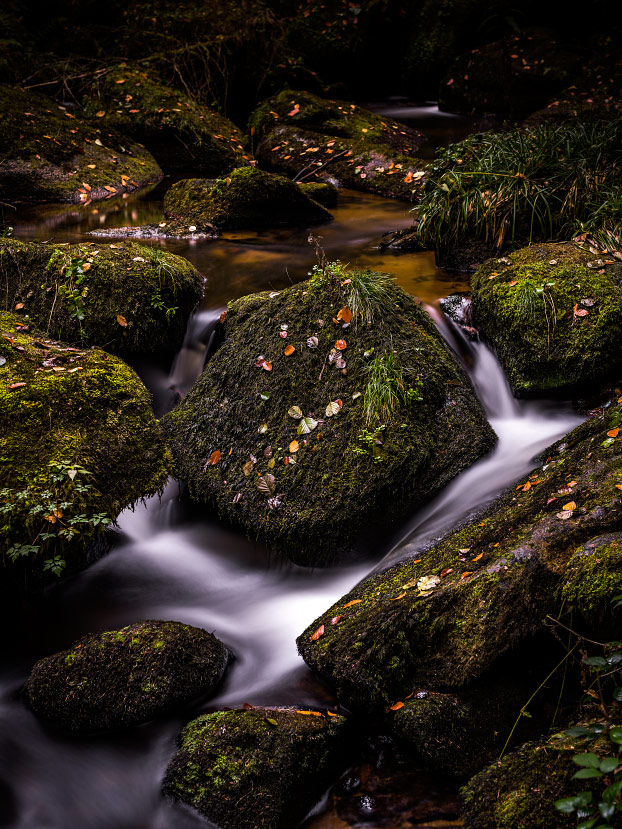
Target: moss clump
[(592, 579), (359, 164), (323, 192), (68, 406), (124, 297), (247, 198), (496, 580), (176, 128), (351, 469), (519, 792), (553, 313), (124, 677), (49, 154), (257, 769)]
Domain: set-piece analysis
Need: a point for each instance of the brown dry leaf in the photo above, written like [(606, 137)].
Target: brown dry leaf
[(395, 598), (527, 487), (319, 632), (340, 345), (354, 601), (294, 446), (248, 468), (565, 515), (289, 349), (335, 619), (396, 706), (16, 385), (267, 366), (19, 306), (513, 283), (332, 714), (345, 314), (581, 312), (446, 572), (121, 320), (477, 558), (613, 433), (571, 505), (214, 458), (466, 575), (109, 188)]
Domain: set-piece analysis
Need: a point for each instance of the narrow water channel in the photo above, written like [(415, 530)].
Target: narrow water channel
[(174, 565)]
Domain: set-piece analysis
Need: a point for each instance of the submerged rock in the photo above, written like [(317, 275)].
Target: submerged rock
[(247, 198), (78, 443), (442, 620), (125, 677), (124, 297), (179, 131), (330, 407), (553, 313), (262, 768), (49, 154)]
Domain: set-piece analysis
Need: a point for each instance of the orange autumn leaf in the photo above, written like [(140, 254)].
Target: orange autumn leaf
[(319, 632), (354, 601), (618, 486), (571, 505), (289, 349), (335, 620), (527, 487), (214, 458), (446, 572), (340, 345), (395, 598), (613, 433), (267, 366), (477, 558), (121, 320), (466, 575), (294, 446), (396, 706), (345, 314), (513, 283), (332, 714)]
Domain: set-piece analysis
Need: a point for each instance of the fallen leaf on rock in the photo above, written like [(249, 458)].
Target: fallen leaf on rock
[(354, 601), (513, 283), (356, 395), (267, 366), (477, 558), (16, 385), (395, 598), (283, 335), (618, 486), (310, 713), (563, 516), (214, 458), (272, 722), (340, 345), (306, 425), (19, 306), (319, 632), (335, 619), (427, 583), (571, 505), (332, 714), (446, 572), (613, 433), (396, 706), (345, 314), (333, 408), (294, 446), (466, 575), (266, 484), (295, 412), (289, 349), (248, 468), (263, 428), (271, 463), (121, 320), (313, 342)]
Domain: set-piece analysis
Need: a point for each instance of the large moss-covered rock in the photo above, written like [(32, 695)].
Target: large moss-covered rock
[(323, 192), (49, 154), (592, 579), (124, 677), (442, 620), (553, 313), (179, 131), (403, 417), (361, 165), (519, 791), (257, 769), (247, 198), (125, 297), (77, 429)]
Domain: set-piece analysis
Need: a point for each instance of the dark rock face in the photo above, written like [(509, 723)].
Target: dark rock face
[(553, 313), (330, 407), (124, 297), (124, 677), (441, 621), (49, 154), (257, 769), (247, 198)]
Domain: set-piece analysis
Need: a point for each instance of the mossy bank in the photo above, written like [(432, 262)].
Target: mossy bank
[(330, 407)]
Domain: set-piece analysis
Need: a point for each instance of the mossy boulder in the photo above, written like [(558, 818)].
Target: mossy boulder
[(519, 791), (442, 620), (359, 164), (510, 77), (49, 154), (553, 313), (323, 192), (307, 427), (124, 677), (247, 198), (262, 768), (125, 297), (76, 428), (179, 131), (593, 577)]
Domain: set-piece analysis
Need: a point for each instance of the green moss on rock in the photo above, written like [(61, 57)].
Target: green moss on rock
[(179, 131), (49, 154), (124, 677), (323, 192), (353, 470), (592, 579), (497, 578), (125, 297), (247, 198), (257, 769), (553, 313), (69, 406)]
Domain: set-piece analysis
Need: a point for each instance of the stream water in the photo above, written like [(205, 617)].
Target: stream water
[(174, 565)]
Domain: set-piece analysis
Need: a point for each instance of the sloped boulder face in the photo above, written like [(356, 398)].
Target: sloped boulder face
[(519, 791), (247, 198), (323, 192), (510, 77), (77, 428), (592, 579), (179, 131), (125, 677), (360, 165), (330, 407), (257, 769), (442, 620), (49, 154), (553, 313), (124, 297)]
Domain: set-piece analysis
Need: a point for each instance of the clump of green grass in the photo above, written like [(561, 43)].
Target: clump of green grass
[(523, 185), (386, 388)]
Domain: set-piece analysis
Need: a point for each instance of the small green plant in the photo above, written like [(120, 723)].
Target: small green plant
[(371, 443), (52, 516), (73, 289), (163, 269), (386, 388)]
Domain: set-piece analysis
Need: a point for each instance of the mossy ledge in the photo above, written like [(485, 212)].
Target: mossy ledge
[(247, 198), (493, 581), (333, 476), (124, 297), (262, 768), (70, 406), (553, 313), (124, 677), (49, 154)]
